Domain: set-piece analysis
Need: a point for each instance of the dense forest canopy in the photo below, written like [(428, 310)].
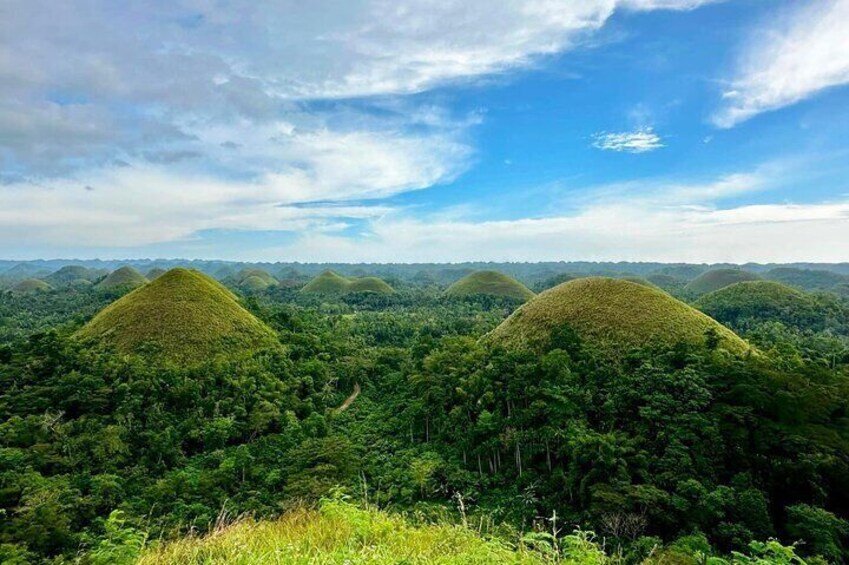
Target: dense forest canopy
[(668, 449)]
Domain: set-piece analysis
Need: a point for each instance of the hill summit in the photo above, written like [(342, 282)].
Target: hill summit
[(612, 314), (492, 283), (184, 316), (123, 279)]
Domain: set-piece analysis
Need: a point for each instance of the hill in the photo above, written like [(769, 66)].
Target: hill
[(613, 314), (759, 301), (123, 279), (370, 284), (27, 286), (254, 279), (329, 282), (719, 278), (806, 279), (155, 273), (72, 274), (492, 283), (185, 315)]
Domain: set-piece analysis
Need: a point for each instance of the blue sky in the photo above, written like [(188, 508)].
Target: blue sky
[(369, 130)]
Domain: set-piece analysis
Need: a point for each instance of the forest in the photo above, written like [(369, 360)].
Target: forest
[(527, 413)]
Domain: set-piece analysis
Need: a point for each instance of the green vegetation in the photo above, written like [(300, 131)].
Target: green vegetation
[(744, 304), (490, 283), (806, 279), (614, 314), (122, 280), (73, 274), (331, 283), (30, 285), (626, 418), (254, 280), (369, 284), (327, 282), (717, 279), (640, 281), (182, 316), (155, 273)]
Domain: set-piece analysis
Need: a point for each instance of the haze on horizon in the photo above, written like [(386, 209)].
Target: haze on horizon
[(375, 131)]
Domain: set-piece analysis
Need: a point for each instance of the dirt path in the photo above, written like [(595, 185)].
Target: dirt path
[(348, 401)]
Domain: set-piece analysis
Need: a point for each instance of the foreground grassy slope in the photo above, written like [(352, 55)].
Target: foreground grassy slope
[(329, 282), (341, 533), (185, 315), (718, 278), (613, 314), (492, 283)]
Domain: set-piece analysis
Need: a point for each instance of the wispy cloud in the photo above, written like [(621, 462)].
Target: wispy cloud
[(798, 55), (638, 141)]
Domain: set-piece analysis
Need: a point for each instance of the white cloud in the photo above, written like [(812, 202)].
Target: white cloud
[(147, 203), (637, 141), (657, 221), (804, 53)]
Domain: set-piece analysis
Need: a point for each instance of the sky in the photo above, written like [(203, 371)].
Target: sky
[(425, 131)]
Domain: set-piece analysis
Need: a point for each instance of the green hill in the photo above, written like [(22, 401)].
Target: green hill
[(370, 284), (123, 279), (613, 314), (72, 274), (719, 278), (492, 283), (185, 315), (254, 279), (329, 282), (155, 273), (758, 301), (28, 286)]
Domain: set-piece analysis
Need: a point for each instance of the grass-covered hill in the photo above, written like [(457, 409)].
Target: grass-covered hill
[(611, 314), (122, 280), (492, 283), (750, 302), (184, 315), (329, 282), (71, 274), (718, 278), (27, 286), (254, 279), (155, 273), (807, 279), (370, 284)]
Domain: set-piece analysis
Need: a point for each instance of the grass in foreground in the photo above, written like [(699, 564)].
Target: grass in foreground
[(342, 533)]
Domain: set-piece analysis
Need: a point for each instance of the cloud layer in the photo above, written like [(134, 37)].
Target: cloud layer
[(638, 141), (804, 53)]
